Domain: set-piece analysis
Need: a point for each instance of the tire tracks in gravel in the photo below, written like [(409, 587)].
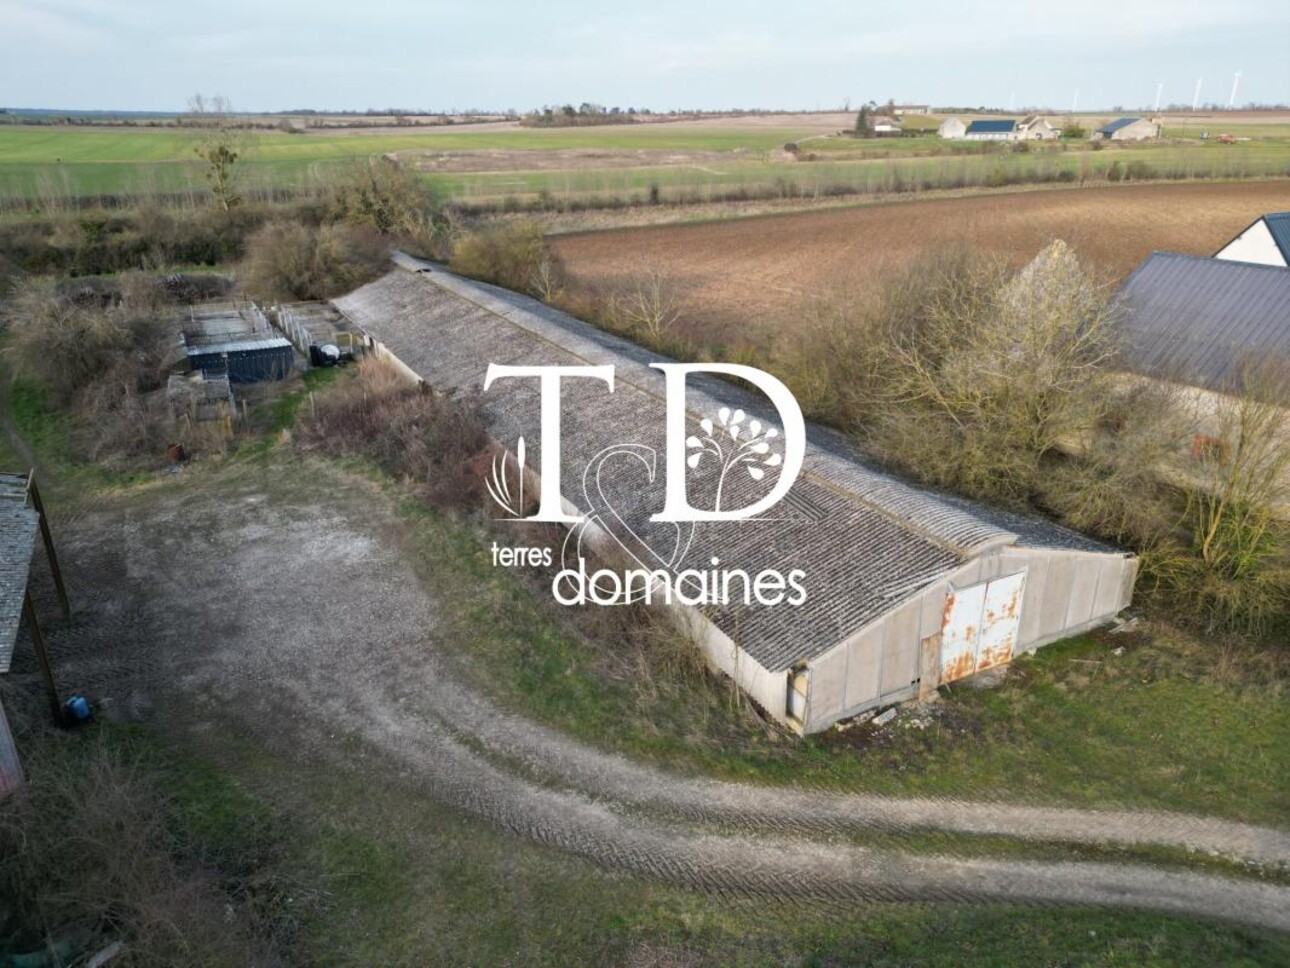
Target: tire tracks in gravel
[(219, 602)]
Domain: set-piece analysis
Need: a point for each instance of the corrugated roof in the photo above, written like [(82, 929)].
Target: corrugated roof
[(1278, 224), (1198, 321), (991, 127), (1117, 124), (18, 524), (240, 346), (865, 539)]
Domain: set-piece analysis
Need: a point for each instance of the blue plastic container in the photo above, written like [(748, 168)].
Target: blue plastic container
[(77, 708)]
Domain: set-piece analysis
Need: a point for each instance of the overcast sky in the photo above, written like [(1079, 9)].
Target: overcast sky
[(496, 54)]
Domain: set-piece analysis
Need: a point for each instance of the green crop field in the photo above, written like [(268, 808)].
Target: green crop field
[(727, 159), (75, 161)]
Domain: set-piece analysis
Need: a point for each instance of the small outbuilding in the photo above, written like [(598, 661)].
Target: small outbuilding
[(952, 128), (905, 588), (1128, 129), (1266, 241), (249, 360), (1035, 128), (236, 341)]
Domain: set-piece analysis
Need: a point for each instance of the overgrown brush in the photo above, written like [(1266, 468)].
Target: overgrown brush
[(106, 365), (288, 261), (90, 853), (515, 256), (1005, 386), (437, 442)]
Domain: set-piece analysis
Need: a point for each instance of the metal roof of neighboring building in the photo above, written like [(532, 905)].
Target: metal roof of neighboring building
[(1117, 124), (991, 126), (1198, 321), (18, 525), (1278, 224), (865, 539)]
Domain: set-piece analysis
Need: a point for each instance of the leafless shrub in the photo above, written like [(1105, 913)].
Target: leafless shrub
[(86, 851), (289, 261), (436, 441), (515, 256), (646, 307), (546, 281), (1004, 386), (68, 348), (1240, 483), (388, 199)]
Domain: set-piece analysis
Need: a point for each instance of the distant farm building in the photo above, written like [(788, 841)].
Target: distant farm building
[(906, 588), (1265, 242), (1035, 128), (900, 110), (952, 128), (1128, 129), (237, 342), (991, 129)]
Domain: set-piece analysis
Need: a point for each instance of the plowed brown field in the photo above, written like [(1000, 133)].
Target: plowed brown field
[(750, 278)]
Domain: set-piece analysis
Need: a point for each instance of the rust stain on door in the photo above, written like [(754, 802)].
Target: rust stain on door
[(980, 626)]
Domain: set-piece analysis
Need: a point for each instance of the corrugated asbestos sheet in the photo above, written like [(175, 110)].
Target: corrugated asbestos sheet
[(1199, 321), (18, 525), (865, 540)]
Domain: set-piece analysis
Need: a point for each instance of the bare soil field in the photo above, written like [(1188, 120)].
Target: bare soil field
[(748, 279), (564, 159)]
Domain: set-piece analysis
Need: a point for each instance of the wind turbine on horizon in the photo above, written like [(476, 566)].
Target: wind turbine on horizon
[(1231, 101), (1195, 98)]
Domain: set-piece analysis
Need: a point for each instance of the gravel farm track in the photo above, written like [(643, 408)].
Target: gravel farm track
[(750, 277), (236, 594)]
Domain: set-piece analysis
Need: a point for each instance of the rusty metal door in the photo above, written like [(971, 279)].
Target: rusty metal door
[(960, 631), (1001, 620), (980, 626)]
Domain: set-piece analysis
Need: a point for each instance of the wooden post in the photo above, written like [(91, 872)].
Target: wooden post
[(42, 657), (48, 538)]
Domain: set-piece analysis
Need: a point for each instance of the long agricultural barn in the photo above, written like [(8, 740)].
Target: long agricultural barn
[(906, 589)]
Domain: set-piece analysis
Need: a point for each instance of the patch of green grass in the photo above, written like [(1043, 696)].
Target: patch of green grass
[(48, 431), (348, 866), (1160, 726), (60, 164)]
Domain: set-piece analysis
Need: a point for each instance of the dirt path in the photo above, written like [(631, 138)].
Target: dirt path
[(274, 598)]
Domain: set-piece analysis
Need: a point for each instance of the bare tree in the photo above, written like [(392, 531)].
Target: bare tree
[(221, 144), (648, 305), (987, 373), (546, 280)]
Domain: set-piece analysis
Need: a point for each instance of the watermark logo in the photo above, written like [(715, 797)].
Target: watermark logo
[(727, 445)]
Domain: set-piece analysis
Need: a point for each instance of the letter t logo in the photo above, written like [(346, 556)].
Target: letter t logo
[(550, 505)]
